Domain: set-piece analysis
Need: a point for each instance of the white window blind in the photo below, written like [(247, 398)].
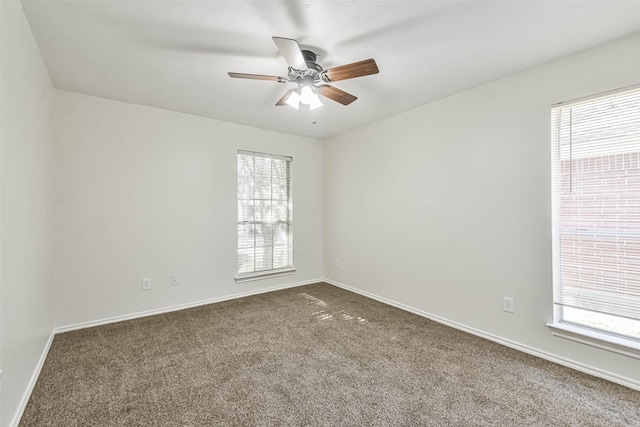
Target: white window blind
[(596, 211), (265, 220)]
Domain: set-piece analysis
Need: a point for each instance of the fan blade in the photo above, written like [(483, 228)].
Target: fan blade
[(336, 94), (350, 71), (282, 100), (291, 51), (258, 77)]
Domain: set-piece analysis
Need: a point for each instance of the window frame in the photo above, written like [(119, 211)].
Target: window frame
[(273, 272), (599, 338)]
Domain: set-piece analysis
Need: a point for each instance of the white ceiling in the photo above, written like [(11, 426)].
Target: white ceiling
[(176, 54)]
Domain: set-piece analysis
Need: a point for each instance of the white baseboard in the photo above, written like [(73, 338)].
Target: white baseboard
[(32, 383), (591, 370), (169, 309)]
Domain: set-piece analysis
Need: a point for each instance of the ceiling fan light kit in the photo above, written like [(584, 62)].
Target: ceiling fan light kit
[(293, 100), (306, 94), (311, 78)]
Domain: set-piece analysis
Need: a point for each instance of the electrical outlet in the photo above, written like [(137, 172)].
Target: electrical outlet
[(175, 280), (337, 262), (146, 284), (508, 305)]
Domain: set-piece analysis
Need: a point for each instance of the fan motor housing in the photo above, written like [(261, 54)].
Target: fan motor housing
[(310, 59), (313, 69)]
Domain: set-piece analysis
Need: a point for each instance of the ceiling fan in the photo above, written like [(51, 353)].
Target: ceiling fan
[(311, 78)]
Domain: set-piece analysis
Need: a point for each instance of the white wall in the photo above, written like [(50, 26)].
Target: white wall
[(26, 172), (144, 192), (446, 208)]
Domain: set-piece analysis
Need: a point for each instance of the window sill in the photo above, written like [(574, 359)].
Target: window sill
[(249, 277), (627, 347)]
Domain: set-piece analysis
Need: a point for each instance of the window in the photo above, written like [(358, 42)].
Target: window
[(596, 220), (265, 238)]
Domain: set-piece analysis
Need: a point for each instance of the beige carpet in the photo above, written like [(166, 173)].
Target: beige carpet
[(309, 356)]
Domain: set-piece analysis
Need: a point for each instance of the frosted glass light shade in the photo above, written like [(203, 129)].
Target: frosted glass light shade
[(293, 100), (315, 103), (308, 96)]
